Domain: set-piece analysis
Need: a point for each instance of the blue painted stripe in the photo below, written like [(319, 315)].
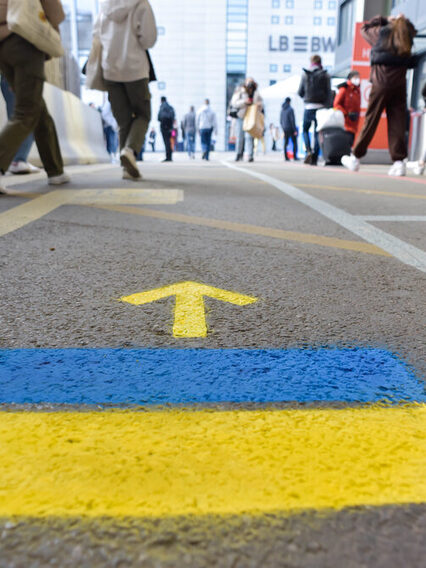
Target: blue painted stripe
[(158, 376)]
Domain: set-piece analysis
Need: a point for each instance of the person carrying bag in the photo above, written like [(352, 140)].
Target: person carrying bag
[(22, 63)]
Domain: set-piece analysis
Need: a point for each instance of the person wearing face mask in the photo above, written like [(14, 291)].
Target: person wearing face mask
[(348, 100)]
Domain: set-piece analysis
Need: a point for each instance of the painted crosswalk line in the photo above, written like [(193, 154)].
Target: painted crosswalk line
[(157, 464), (185, 376)]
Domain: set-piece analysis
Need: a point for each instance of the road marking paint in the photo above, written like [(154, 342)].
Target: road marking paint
[(18, 217), (13, 180), (406, 253), (168, 463), (197, 376), (251, 229), (364, 191), (402, 218), (189, 312)]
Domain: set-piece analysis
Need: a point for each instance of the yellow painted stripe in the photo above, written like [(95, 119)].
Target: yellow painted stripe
[(365, 191), (41, 205), (250, 229), (162, 463)]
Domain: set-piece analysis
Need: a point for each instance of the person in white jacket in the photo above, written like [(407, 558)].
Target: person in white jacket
[(126, 30), (244, 96), (206, 125)]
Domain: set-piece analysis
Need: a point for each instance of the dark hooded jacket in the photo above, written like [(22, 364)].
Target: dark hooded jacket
[(287, 118), (388, 69)]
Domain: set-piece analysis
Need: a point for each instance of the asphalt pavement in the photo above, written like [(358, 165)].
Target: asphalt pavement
[(221, 365)]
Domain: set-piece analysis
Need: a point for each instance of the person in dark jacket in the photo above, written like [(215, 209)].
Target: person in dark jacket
[(166, 118), (288, 124), (348, 100), (315, 90), (392, 41)]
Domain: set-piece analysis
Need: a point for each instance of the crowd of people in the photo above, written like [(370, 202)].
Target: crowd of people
[(126, 30)]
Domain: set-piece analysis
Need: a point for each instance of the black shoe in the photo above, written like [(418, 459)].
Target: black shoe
[(238, 157), (166, 160), (296, 159), (308, 158), (251, 159), (203, 157), (314, 160), (286, 158)]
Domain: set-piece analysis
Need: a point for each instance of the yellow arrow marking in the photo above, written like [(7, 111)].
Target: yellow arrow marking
[(190, 313)]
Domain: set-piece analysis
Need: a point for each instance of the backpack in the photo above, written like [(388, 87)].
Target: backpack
[(166, 114)]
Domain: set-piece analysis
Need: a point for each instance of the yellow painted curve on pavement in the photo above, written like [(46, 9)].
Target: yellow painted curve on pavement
[(357, 246), (162, 463), (364, 191)]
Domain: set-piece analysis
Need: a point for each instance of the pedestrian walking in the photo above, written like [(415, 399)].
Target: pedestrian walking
[(126, 30), (166, 118), (419, 167), (391, 40), (206, 125), (348, 100), (288, 124), (22, 63), (110, 130), (20, 164), (152, 138), (237, 111), (247, 97), (315, 90), (189, 126)]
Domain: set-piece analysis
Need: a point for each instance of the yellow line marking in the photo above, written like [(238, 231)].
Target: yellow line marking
[(22, 215), (365, 191), (190, 313), (251, 229), (165, 463)]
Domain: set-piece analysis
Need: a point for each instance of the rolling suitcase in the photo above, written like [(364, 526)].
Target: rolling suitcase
[(335, 143)]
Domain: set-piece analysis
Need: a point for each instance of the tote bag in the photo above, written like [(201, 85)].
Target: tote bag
[(254, 123), (94, 73), (330, 118), (27, 19)]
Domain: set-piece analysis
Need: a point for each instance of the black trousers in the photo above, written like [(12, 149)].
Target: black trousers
[(167, 134), (290, 135)]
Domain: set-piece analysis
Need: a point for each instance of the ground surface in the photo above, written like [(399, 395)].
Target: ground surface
[(250, 438)]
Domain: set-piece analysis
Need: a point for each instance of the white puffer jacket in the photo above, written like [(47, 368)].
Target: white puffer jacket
[(126, 29)]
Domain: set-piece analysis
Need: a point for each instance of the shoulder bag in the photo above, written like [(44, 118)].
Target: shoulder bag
[(27, 19)]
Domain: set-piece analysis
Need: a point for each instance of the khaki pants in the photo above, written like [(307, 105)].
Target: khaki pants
[(23, 67), (131, 107)]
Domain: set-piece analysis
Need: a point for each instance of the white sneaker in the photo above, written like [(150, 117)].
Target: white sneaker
[(128, 161), (419, 168), (22, 167), (3, 190), (126, 175), (398, 169), (350, 162), (59, 180)]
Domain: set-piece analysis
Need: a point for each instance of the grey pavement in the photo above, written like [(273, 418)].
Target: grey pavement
[(318, 283)]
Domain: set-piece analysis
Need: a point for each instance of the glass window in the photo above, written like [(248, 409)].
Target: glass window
[(346, 21), (317, 21), (273, 68), (289, 4), (331, 21), (161, 30), (317, 4), (332, 5), (289, 20), (276, 4), (275, 19), (287, 68)]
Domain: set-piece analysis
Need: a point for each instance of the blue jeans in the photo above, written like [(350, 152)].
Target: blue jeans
[(111, 139), (239, 132), (190, 143), (24, 150), (249, 144), (309, 117), (206, 140)]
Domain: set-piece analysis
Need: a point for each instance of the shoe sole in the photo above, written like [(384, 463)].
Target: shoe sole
[(129, 167)]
